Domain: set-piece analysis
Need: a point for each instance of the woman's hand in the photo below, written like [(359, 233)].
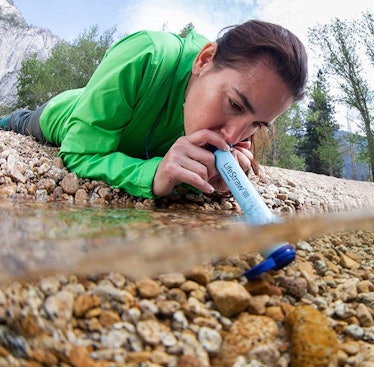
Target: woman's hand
[(189, 161), (244, 157)]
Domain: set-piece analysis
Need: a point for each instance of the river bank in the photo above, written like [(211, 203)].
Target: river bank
[(316, 312)]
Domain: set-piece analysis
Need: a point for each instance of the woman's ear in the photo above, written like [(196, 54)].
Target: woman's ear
[(204, 60)]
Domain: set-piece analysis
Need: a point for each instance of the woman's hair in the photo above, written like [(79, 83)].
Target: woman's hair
[(257, 40)]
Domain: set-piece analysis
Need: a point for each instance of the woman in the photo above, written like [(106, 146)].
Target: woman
[(156, 102)]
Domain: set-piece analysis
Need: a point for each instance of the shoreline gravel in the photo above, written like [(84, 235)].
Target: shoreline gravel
[(316, 312)]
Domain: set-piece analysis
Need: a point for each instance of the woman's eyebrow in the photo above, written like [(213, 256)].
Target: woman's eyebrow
[(245, 101)]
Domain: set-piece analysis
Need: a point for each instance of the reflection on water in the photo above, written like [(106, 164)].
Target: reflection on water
[(39, 238)]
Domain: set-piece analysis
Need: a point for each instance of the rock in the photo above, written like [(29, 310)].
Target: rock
[(313, 341), (191, 346), (15, 344), (148, 288), (367, 299), (355, 331), (148, 307), (260, 286), (84, 303), (106, 291), (257, 304), (275, 312), (60, 305), (107, 318), (58, 163), (150, 331), (20, 39), (8, 190), (305, 246), (179, 321), (296, 287), (172, 280), (17, 175), (45, 358), (348, 263), (50, 284), (200, 275), (115, 338), (364, 315), (70, 183), (189, 361), (365, 286), (107, 308), (229, 297), (268, 354), (210, 340), (81, 196), (246, 333), (347, 291), (80, 357), (342, 310), (168, 307)]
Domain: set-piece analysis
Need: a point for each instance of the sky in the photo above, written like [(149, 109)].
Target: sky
[(68, 18)]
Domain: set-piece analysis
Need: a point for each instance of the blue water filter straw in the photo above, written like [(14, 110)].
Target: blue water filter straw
[(255, 209)]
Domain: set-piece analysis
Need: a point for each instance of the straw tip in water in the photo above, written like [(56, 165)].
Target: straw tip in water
[(275, 261)]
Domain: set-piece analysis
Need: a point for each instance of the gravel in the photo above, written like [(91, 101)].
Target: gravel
[(318, 311)]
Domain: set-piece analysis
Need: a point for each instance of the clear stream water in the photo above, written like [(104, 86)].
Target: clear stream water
[(41, 238)]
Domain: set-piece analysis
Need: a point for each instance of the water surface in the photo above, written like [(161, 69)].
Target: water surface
[(41, 238)]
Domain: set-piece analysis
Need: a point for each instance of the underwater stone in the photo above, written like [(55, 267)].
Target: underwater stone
[(246, 334), (313, 341)]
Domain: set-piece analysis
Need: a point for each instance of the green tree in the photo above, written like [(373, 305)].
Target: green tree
[(69, 66), (368, 26), (186, 29), (282, 151), (320, 147), (340, 44)]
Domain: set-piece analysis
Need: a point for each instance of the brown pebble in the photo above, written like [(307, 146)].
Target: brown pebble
[(313, 341), (230, 298), (85, 302), (148, 288), (108, 318), (138, 357), (200, 275), (259, 286), (80, 357), (189, 361), (70, 183)]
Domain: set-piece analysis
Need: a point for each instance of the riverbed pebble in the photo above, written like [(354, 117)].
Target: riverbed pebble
[(24, 161), (317, 311)]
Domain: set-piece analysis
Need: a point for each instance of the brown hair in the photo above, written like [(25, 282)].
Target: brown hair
[(255, 40)]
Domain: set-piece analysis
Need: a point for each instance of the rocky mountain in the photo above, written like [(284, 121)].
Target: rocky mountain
[(18, 39)]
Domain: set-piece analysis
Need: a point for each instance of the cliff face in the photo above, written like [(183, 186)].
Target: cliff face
[(17, 40)]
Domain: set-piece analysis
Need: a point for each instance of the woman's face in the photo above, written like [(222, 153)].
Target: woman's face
[(233, 102)]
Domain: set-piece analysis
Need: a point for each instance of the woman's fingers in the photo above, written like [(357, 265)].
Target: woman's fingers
[(188, 161)]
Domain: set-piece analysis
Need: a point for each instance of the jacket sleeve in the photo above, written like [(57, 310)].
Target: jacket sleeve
[(101, 114)]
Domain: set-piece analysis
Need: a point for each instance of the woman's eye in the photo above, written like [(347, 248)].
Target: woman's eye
[(235, 106), (260, 124)]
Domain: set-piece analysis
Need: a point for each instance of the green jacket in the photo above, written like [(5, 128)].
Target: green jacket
[(119, 126)]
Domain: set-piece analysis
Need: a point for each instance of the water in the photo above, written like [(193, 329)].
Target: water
[(44, 238)]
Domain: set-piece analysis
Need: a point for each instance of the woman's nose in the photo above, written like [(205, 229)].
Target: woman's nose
[(234, 132)]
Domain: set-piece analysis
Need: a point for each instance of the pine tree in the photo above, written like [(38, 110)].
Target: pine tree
[(69, 66), (283, 147), (320, 147)]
